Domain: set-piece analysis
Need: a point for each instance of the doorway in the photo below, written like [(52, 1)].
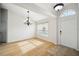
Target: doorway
[(68, 28), (3, 25)]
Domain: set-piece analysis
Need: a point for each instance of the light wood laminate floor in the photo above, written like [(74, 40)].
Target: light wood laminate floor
[(35, 47)]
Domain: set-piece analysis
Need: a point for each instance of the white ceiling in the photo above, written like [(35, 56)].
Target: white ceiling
[(38, 11), (41, 8), (23, 12)]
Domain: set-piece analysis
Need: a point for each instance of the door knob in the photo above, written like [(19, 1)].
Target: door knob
[(60, 32)]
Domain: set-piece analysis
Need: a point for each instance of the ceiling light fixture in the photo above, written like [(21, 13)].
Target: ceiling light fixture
[(59, 7), (27, 21)]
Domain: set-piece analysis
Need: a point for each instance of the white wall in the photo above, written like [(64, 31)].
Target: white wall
[(69, 28), (51, 30), (16, 28), (18, 31), (77, 9)]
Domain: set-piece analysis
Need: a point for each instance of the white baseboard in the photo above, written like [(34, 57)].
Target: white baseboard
[(77, 49)]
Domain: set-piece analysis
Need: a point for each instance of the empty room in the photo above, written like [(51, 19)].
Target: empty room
[(39, 29)]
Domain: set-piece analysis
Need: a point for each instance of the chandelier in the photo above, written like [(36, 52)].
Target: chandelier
[(27, 21)]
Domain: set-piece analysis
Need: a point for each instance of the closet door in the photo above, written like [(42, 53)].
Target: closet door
[(0, 26), (4, 25)]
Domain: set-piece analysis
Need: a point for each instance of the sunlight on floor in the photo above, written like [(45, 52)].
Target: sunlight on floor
[(23, 43), (36, 42), (29, 45)]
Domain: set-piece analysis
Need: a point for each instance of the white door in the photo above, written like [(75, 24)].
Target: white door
[(68, 31)]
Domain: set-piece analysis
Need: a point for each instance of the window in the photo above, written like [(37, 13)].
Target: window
[(69, 12), (42, 29)]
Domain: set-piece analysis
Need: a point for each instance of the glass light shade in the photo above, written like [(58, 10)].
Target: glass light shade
[(25, 21), (60, 7)]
